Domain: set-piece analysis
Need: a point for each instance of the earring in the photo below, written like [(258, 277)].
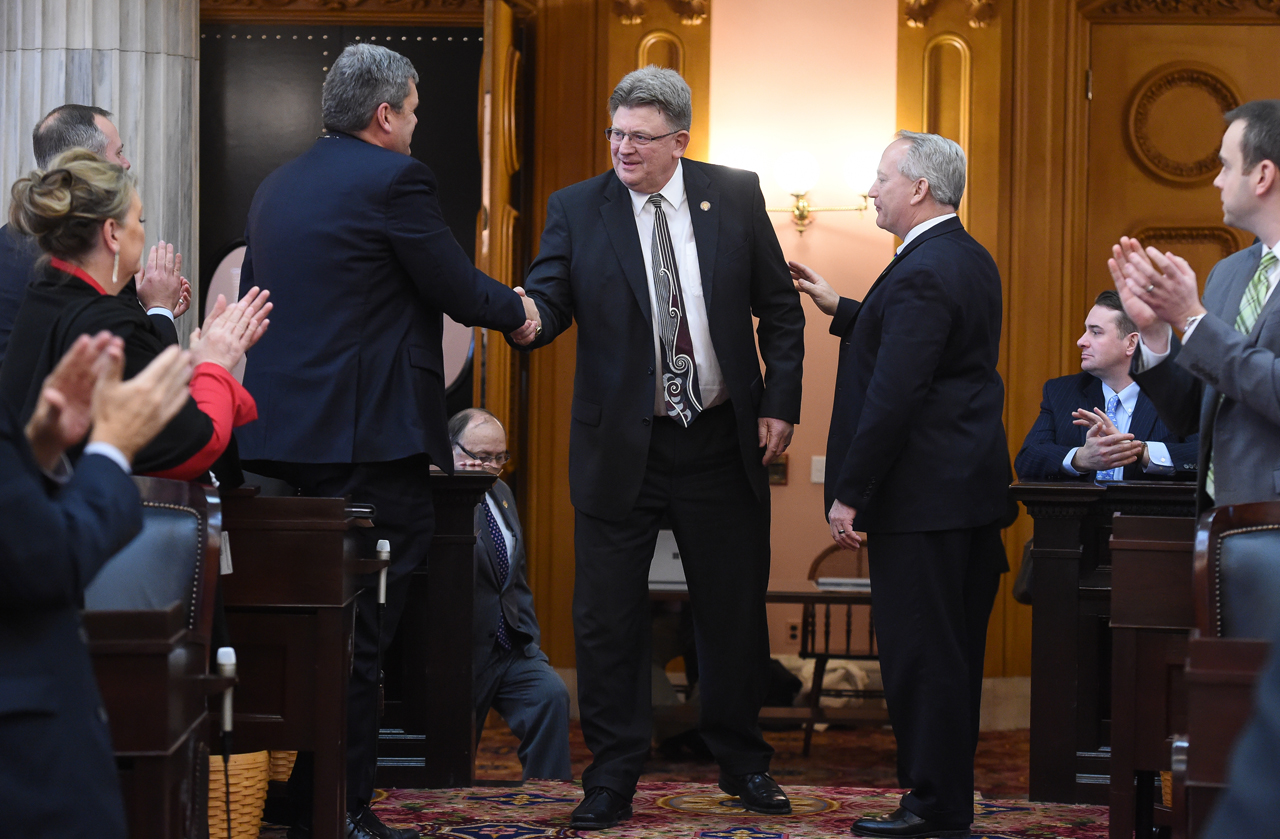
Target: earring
[(115, 270)]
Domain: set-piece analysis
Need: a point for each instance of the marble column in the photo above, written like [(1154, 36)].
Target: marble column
[(138, 59)]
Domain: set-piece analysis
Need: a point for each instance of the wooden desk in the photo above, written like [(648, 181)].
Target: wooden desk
[(149, 668), (428, 739), (1152, 613), (1071, 637), (290, 612)]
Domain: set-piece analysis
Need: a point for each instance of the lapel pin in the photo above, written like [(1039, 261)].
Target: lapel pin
[(706, 205), (504, 505)]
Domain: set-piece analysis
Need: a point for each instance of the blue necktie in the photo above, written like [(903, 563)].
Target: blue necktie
[(504, 571), (1113, 407)]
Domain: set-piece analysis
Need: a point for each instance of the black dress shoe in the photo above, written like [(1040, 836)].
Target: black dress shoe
[(365, 824), (600, 808), (906, 823), (758, 793)]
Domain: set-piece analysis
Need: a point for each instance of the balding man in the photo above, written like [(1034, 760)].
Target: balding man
[(160, 289)]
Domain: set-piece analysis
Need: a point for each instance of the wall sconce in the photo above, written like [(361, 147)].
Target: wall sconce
[(796, 172)]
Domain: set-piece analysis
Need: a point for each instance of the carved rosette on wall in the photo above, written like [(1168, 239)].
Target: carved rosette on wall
[(1220, 236), (1179, 99), (691, 12), (981, 12), (1185, 7)]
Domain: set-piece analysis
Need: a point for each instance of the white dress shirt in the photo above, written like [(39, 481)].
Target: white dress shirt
[(922, 227), (711, 387), (1151, 359), (1161, 462)]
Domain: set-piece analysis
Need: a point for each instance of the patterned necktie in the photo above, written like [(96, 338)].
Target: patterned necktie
[(1113, 408), (1255, 295), (680, 395), (504, 571)]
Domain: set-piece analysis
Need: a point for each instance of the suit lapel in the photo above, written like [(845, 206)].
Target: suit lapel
[(1144, 418), (1090, 398), (699, 194), (620, 223), (947, 226)]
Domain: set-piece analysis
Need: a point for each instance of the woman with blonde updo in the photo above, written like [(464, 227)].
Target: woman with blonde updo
[(86, 216)]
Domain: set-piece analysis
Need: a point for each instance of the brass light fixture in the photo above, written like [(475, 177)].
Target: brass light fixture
[(797, 172)]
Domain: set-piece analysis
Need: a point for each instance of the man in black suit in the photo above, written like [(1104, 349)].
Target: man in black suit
[(162, 290), (57, 771), (350, 241), (1075, 436), (917, 458), (511, 674), (663, 262)]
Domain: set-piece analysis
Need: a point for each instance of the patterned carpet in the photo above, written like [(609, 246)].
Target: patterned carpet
[(671, 810)]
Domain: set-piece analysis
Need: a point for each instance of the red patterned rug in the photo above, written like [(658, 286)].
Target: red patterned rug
[(696, 811)]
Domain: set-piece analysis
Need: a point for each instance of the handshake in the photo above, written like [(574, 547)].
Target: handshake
[(533, 324)]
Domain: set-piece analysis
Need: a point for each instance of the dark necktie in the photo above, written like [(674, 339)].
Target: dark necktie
[(680, 396), (504, 571)]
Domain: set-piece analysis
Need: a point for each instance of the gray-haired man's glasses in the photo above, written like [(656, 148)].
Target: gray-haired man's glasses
[(616, 137), (496, 459)]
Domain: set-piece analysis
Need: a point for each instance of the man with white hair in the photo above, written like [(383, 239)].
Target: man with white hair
[(917, 459)]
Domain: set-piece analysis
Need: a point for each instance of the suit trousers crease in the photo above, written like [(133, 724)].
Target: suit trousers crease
[(695, 480), (932, 594), (405, 516), (533, 700)]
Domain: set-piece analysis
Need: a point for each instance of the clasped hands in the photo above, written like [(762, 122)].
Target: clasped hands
[(1105, 447), (533, 324), (1158, 290), (160, 282)]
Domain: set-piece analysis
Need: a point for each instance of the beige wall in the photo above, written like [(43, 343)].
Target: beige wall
[(818, 76)]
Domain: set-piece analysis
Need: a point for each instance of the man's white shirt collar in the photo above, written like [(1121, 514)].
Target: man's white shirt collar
[(672, 193), (920, 228), (1128, 397)]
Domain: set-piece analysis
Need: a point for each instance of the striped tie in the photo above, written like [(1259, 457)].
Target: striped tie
[(1255, 295)]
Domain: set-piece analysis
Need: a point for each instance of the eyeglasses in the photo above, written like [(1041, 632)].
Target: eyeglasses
[(616, 137), (498, 459)]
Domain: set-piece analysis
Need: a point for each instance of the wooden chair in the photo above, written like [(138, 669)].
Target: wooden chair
[(1237, 591), (149, 617), (831, 635)]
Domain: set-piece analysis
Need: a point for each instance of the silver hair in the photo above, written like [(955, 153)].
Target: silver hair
[(659, 87), (939, 161), (361, 79)]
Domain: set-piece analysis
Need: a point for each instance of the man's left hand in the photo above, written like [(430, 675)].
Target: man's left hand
[(64, 411), (841, 520), (775, 436), (1166, 283)]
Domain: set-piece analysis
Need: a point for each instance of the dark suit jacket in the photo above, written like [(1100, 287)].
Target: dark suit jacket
[(917, 438), (590, 266), (515, 598), (360, 264), (1226, 386), (57, 771), (1055, 433)]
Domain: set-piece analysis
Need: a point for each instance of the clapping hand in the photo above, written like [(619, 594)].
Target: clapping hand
[(1104, 446), (1156, 289), (129, 414), (230, 330), (160, 282), (64, 410)]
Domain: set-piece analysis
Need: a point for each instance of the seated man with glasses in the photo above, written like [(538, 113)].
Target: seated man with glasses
[(511, 674)]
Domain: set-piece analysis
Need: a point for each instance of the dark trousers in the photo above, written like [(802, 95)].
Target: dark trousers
[(695, 480), (406, 518), (931, 596)]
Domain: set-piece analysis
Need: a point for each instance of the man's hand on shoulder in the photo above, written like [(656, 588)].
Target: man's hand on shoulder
[(775, 436), (532, 326)]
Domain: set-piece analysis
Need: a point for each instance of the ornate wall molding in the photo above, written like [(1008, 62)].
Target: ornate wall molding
[(465, 12), (918, 12), (982, 13), (691, 12), (1221, 236), (1147, 95), (630, 12), (1193, 8)]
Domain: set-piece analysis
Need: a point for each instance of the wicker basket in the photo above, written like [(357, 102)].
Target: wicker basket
[(282, 765), (248, 773)]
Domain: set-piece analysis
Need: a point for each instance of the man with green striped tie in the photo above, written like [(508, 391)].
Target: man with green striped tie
[(1222, 378)]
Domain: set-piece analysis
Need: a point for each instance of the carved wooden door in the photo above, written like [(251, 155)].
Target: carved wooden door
[(1154, 130)]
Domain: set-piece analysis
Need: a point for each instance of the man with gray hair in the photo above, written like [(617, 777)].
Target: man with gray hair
[(917, 459), (160, 287), (664, 261), (350, 241)]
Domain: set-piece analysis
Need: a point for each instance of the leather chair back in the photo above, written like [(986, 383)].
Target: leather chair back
[(1237, 570)]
